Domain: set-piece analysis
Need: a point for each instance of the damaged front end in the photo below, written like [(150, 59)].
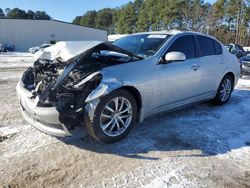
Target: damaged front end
[(53, 92)]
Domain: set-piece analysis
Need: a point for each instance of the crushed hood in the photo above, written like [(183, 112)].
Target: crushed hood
[(66, 50)]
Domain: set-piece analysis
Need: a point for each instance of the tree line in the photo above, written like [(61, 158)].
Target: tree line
[(17, 13), (228, 20)]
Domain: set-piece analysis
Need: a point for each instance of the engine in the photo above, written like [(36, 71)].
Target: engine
[(45, 73)]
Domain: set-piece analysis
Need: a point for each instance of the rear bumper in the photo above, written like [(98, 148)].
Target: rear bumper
[(245, 68), (45, 119)]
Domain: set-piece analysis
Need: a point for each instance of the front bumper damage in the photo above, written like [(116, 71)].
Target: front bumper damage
[(45, 119), (56, 95)]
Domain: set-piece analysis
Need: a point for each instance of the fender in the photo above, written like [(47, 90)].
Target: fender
[(104, 88)]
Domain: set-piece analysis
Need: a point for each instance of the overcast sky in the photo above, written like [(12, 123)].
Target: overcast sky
[(64, 10)]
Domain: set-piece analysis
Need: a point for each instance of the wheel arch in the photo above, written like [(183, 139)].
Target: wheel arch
[(108, 87), (217, 100), (137, 95), (231, 74)]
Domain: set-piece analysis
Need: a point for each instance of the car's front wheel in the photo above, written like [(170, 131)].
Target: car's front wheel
[(224, 91), (114, 117)]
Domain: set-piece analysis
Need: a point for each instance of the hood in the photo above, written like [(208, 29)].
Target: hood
[(79, 65), (245, 58), (66, 50)]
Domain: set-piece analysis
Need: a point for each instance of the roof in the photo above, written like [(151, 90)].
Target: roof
[(163, 32), (76, 24), (175, 32), (171, 32), (58, 21)]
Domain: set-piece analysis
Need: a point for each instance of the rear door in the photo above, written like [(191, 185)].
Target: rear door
[(212, 65)]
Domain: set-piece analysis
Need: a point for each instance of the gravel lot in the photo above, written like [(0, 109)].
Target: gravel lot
[(202, 146)]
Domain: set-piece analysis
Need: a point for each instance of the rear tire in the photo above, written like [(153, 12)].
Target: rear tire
[(224, 91), (114, 117)]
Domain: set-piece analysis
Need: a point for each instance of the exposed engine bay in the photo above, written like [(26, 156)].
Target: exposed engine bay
[(66, 85)]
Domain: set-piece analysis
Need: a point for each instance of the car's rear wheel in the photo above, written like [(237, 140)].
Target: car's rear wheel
[(114, 117), (224, 91)]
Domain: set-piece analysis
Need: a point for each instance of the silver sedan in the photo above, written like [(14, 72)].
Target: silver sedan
[(109, 87)]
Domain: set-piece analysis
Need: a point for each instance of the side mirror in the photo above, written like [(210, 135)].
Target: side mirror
[(175, 56)]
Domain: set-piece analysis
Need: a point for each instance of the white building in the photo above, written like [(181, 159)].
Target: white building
[(28, 33)]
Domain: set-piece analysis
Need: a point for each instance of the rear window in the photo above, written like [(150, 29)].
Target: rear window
[(217, 46), (206, 46)]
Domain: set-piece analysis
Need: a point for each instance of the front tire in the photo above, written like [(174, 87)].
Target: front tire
[(114, 117), (224, 91)]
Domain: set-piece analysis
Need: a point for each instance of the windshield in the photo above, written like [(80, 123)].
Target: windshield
[(143, 45)]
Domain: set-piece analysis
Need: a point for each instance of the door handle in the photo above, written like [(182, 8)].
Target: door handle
[(195, 67)]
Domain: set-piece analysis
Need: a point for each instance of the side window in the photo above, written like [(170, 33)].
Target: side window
[(206, 46), (217, 46), (184, 44)]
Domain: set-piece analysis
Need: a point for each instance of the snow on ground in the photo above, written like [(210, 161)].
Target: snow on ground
[(16, 54), (201, 146), (244, 82), (16, 59)]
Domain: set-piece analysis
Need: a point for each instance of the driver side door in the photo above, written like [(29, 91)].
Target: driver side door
[(179, 81)]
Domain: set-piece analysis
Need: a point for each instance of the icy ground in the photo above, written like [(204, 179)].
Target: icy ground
[(202, 146), (15, 59)]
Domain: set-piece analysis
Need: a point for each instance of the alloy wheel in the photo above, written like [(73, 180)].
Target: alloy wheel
[(116, 116), (225, 90)]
